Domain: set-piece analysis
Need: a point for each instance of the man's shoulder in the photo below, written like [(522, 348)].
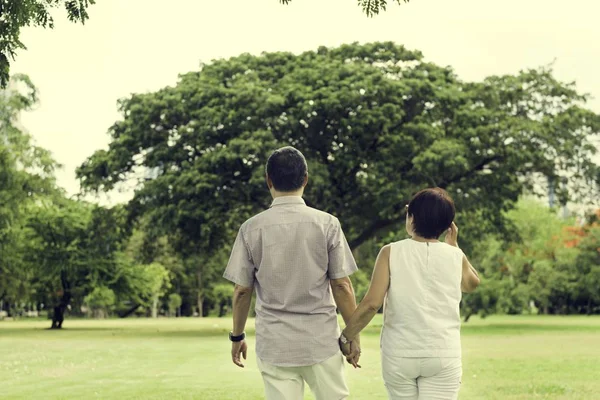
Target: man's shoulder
[(322, 216), (255, 221), (273, 217)]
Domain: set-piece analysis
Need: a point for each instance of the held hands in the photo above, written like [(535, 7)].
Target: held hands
[(452, 235), (352, 352), (239, 349)]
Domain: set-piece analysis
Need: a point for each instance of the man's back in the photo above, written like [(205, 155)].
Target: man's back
[(289, 253)]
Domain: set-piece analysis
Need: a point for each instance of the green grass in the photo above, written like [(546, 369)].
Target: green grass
[(504, 358)]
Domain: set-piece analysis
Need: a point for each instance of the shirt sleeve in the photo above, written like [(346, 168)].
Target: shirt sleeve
[(341, 260), (240, 268)]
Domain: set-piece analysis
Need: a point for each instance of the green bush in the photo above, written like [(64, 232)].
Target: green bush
[(175, 302), (101, 301)]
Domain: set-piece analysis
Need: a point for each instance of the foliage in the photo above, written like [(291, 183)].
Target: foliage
[(156, 278), (73, 247), (223, 297), (175, 302), (15, 15), (101, 300), (369, 7), (536, 270), (587, 282), (26, 174), (376, 123)]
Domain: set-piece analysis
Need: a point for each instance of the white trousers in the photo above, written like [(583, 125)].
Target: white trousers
[(326, 380), (422, 378)]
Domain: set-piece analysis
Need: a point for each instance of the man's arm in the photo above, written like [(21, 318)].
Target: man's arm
[(341, 266), (343, 294), (242, 297), (240, 270)]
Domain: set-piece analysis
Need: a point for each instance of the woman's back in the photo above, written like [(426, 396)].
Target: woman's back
[(421, 312)]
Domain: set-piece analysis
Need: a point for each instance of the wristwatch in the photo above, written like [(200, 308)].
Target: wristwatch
[(237, 338), (344, 339)]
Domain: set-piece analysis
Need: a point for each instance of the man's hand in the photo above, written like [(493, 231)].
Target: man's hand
[(237, 349), (452, 235), (352, 352)]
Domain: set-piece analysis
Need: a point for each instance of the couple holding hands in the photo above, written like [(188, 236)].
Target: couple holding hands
[(298, 261)]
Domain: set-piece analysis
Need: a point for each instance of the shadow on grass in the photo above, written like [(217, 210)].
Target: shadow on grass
[(136, 332), (108, 332)]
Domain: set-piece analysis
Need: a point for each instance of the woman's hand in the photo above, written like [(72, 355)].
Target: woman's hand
[(452, 235), (352, 352)]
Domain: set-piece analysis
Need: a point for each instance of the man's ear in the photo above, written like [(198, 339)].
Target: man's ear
[(305, 180), (269, 182)]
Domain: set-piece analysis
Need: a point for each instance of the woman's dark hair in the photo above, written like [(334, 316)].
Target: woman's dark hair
[(432, 211), (287, 168)]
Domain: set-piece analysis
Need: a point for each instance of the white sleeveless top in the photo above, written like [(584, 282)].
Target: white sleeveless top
[(421, 311)]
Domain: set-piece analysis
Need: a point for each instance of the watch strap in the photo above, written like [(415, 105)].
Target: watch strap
[(238, 338)]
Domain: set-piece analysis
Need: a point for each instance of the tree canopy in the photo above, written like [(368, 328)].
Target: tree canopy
[(16, 14), (376, 123), (54, 250), (26, 174)]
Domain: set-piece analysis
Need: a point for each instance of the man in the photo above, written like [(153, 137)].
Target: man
[(296, 257)]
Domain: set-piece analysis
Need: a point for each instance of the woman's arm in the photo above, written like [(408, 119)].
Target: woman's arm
[(374, 298), (470, 277)]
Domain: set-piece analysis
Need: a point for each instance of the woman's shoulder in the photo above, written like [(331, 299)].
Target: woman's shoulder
[(398, 243)]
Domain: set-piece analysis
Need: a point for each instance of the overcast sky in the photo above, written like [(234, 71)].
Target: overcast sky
[(133, 46)]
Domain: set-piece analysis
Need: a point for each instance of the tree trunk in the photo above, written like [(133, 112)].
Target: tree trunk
[(58, 316), (155, 307), (467, 317), (200, 298), (130, 311), (589, 306)]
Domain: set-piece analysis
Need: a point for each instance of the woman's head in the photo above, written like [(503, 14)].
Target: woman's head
[(430, 213)]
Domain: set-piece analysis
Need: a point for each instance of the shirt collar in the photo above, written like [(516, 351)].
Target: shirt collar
[(288, 200)]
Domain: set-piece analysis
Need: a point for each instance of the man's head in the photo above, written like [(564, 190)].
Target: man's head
[(287, 170), (430, 213)]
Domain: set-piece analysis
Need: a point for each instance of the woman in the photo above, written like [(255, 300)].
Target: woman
[(421, 280)]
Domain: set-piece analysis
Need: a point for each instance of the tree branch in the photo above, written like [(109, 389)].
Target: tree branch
[(371, 230), (477, 168)]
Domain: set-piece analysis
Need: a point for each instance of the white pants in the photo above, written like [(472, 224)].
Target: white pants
[(326, 380), (422, 378)]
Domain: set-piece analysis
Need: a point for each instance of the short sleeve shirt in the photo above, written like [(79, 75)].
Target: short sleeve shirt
[(289, 253)]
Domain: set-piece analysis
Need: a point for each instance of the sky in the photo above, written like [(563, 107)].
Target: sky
[(139, 46)]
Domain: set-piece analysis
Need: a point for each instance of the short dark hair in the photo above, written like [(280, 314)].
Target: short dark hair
[(432, 211), (287, 168)]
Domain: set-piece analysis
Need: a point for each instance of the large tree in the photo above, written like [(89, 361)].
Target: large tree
[(15, 14), (73, 247), (376, 123), (26, 174)]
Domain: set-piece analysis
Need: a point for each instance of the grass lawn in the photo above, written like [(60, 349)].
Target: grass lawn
[(504, 358)]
